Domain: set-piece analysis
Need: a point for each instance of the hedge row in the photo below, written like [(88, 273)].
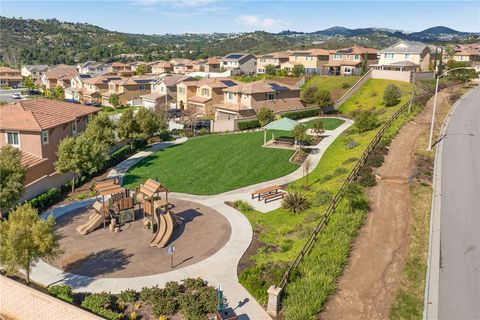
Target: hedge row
[(247, 125), (302, 114)]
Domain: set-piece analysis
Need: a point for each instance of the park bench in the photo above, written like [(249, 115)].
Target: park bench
[(274, 196), (265, 191)]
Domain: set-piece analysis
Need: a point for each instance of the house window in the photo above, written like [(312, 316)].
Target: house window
[(388, 55), (205, 92), (271, 96), (162, 89), (45, 137), (230, 96), (308, 58), (357, 57), (74, 128), (181, 90), (263, 60), (245, 96), (407, 55), (142, 87), (13, 138), (347, 56)]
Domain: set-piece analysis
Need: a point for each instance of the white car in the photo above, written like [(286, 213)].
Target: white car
[(16, 96)]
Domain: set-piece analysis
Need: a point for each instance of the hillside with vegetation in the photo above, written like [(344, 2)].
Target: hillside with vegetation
[(30, 41)]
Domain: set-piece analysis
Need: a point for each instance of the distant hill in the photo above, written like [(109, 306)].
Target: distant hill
[(52, 42)]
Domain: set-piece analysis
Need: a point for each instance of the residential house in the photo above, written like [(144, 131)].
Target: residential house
[(275, 59), (239, 63), (91, 67), (60, 75), (469, 53), (92, 89), (181, 66), (162, 67), (203, 94), (312, 60), (165, 89), (350, 61), (121, 69), (207, 65), (128, 90), (37, 126), (10, 77), (404, 56), (35, 71), (73, 92), (245, 99)]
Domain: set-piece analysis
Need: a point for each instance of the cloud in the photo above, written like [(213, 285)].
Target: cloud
[(258, 22), (177, 7)]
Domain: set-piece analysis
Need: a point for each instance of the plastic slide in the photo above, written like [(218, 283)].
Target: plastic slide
[(164, 230), (93, 222)]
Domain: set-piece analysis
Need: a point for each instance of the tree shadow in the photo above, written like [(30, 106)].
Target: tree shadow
[(99, 263), (186, 216)]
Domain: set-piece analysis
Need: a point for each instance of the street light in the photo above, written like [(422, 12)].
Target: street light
[(435, 103)]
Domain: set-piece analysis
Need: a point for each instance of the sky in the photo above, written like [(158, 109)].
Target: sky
[(207, 16)]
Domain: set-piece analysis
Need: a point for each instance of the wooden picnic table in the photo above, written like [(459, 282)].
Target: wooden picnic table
[(268, 190)]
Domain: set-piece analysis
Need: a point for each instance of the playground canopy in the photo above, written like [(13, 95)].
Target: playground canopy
[(282, 124)]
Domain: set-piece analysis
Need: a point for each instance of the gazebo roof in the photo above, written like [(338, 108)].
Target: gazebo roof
[(283, 124)]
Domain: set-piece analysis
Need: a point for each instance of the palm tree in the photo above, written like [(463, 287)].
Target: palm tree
[(295, 202)]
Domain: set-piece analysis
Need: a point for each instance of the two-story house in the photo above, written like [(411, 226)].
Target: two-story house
[(239, 63), (468, 53), (90, 67), (404, 56), (207, 65), (181, 66), (350, 61), (37, 126), (312, 60), (10, 77), (93, 88), (128, 89), (60, 75), (35, 71), (164, 89), (203, 94), (275, 59), (73, 92), (245, 99), (120, 69), (162, 67)]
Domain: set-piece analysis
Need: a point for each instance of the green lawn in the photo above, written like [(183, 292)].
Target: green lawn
[(328, 123), (336, 85), (213, 164)]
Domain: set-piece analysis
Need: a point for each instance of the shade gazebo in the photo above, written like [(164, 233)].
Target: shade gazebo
[(282, 124)]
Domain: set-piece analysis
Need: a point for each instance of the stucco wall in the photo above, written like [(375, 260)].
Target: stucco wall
[(391, 75)]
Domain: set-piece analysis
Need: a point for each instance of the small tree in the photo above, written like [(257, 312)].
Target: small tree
[(298, 70), (309, 94), (265, 116), (318, 127), (366, 120), (190, 113), (114, 100), (12, 176), (270, 69), (365, 63), (306, 170), (142, 69), (149, 122), (100, 130), (66, 159), (295, 202), (299, 133), (323, 99), (25, 238), (281, 72), (460, 74), (391, 95), (29, 83), (58, 93), (127, 126)]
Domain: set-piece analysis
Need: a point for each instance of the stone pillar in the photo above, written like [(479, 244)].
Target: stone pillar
[(273, 305)]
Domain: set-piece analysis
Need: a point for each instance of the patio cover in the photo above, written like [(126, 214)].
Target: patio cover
[(283, 124)]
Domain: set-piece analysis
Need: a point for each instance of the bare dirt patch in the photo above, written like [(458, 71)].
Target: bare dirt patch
[(371, 279)]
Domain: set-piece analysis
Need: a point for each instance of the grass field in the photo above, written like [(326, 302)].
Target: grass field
[(336, 85), (213, 164)]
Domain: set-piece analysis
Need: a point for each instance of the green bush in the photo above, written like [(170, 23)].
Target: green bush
[(302, 114), (242, 206), (128, 296), (375, 159), (150, 294), (247, 125), (193, 284), (322, 198), (166, 136), (101, 304), (295, 202), (164, 306), (61, 291), (366, 177), (259, 278), (339, 171), (352, 144), (366, 120), (172, 289), (391, 95), (46, 199), (350, 160)]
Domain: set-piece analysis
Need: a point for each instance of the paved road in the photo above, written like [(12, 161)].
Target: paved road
[(6, 95), (459, 292)]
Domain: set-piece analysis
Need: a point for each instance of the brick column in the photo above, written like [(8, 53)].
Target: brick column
[(273, 305)]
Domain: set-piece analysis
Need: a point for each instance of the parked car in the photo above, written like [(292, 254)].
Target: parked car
[(72, 101), (174, 113), (16, 96), (32, 92), (199, 124)]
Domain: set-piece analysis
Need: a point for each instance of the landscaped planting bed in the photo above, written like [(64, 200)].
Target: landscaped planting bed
[(336, 85), (213, 164)]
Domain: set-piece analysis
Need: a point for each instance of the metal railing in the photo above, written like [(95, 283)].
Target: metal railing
[(339, 195)]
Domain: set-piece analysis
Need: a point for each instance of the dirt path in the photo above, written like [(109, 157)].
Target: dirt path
[(372, 277)]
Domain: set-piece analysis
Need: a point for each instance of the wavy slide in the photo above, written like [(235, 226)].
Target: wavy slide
[(93, 222), (164, 230)]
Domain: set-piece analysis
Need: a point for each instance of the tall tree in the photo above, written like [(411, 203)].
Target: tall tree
[(66, 158), (149, 122), (25, 238), (12, 176), (265, 116), (114, 100), (127, 126), (29, 83), (298, 70), (365, 63), (323, 99), (309, 94), (100, 129), (270, 69)]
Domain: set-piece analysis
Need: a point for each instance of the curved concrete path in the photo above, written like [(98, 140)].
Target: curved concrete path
[(220, 268)]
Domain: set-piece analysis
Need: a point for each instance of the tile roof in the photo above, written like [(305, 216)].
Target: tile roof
[(259, 86), (171, 80), (60, 72), (275, 55), (405, 46), (199, 99), (28, 159), (355, 50), (102, 79), (162, 64), (7, 69), (220, 82), (39, 114), (36, 67)]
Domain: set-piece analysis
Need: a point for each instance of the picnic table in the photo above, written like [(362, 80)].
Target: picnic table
[(270, 193)]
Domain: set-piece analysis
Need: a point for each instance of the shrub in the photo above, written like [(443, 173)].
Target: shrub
[(339, 171), (345, 85), (150, 294), (366, 120), (308, 95), (302, 114), (61, 291), (172, 289), (299, 133), (257, 279), (46, 199), (391, 95), (193, 284), (107, 109), (322, 198), (165, 305), (166, 136), (242, 206), (100, 303), (366, 177), (374, 159), (128, 296), (356, 197), (350, 160), (247, 125), (286, 245), (265, 116), (323, 98), (295, 202), (352, 144), (327, 177)]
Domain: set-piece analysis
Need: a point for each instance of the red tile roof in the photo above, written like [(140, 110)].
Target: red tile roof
[(40, 114), (29, 160)]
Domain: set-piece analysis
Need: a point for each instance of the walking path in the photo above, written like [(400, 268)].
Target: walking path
[(220, 268)]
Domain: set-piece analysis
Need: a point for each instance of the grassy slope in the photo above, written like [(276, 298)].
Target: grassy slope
[(213, 164), (336, 85), (283, 233)]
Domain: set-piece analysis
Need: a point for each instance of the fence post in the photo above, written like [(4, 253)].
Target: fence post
[(273, 304)]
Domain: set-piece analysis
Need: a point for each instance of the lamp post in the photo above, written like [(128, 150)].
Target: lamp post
[(435, 104)]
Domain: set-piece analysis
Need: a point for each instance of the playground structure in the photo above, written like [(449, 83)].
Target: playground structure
[(156, 211), (116, 206)]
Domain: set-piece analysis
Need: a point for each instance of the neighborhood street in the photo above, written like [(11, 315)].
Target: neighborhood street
[(6, 95), (459, 283)]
